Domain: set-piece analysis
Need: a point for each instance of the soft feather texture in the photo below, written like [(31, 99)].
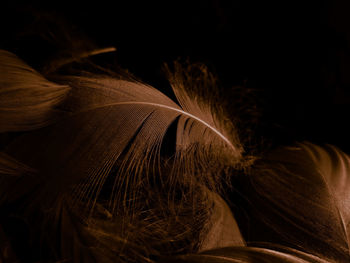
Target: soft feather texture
[(27, 99), (261, 254), (96, 186), (113, 117), (112, 131), (298, 196), (222, 227)]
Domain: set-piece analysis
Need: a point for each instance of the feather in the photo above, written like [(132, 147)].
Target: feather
[(110, 141), (97, 185), (66, 59), (223, 229), (27, 99), (269, 254), (11, 172), (114, 117), (299, 197), (11, 167)]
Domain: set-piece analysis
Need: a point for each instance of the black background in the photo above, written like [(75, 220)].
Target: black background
[(293, 54)]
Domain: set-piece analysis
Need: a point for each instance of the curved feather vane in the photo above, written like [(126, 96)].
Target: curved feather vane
[(299, 196), (203, 109), (223, 229), (95, 183), (268, 254), (110, 117), (106, 153), (27, 102), (27, 99)]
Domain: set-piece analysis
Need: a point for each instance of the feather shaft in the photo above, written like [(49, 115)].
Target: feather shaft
[(182, 112)]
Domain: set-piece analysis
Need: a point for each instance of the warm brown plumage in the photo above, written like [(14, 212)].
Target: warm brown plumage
[(90, 179)]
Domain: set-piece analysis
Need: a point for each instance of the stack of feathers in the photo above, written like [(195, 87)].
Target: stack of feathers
[(100, 167)]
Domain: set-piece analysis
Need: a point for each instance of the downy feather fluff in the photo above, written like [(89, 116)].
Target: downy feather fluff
[(94, 185), (111, 130), (27, 99), (109, 117)]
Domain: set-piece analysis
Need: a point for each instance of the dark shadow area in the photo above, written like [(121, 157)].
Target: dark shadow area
[(295, 55)]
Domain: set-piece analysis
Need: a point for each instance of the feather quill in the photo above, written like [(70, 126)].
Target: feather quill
[(110, 117), (269, 254), (110, 139), (99, 185)]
